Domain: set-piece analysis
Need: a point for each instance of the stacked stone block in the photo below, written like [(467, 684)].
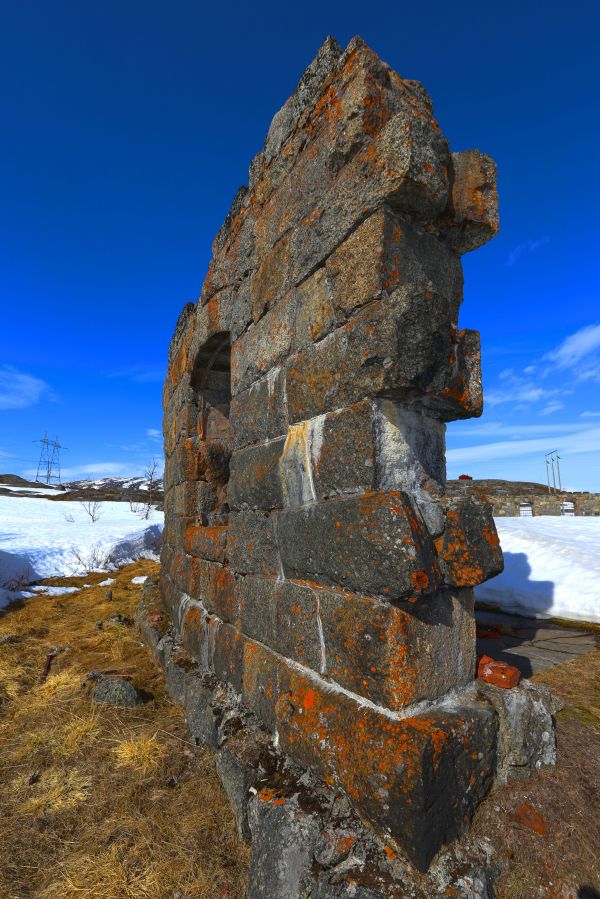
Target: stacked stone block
[(311, 560)]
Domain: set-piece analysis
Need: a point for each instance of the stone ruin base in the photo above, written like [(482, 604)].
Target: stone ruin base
[(308, 842)]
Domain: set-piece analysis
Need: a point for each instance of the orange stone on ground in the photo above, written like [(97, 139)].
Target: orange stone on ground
[(526, 815), (501, 674)]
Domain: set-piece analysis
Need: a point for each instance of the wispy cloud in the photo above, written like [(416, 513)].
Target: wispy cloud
[(516, 431), (514, 388), (154, 434), (18, 390), (579, 352), (524, 249), (554, 406), (583, 442), (590, 414)]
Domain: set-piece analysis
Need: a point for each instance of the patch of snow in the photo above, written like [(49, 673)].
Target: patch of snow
[(37, 491), (140, 579), (54, 591), (34, 530), (8, 596), (551, 568), (107, 582)]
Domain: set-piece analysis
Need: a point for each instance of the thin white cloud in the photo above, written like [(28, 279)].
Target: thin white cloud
[(524, 249), (579, 352), (575, 347), (583, 442), (516, 389), (554, 406), (590, 415), (154, 434), (18, 390)]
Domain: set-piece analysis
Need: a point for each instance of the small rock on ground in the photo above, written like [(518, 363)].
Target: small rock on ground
[(116, 691)]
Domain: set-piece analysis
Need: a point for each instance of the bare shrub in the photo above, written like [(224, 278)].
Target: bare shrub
[(143, 510), (95, 558), (93, 508)]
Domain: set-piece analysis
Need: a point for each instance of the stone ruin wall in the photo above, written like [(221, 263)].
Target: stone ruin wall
[(311, 558)]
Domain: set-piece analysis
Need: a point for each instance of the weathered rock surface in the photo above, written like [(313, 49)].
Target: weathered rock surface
[(306, 839), (526, 738), (116, 691), (311, 564), (284, 837)]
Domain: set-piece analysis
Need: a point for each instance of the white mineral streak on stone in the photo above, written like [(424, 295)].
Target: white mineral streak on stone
[(410, 453), (214, 625), (295, 467), (450, 701), (186, 602), (316, 427), (323, 666), (280, 570), (271, 378)]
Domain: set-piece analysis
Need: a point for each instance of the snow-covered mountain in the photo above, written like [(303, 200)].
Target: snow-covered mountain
[(137, 483)]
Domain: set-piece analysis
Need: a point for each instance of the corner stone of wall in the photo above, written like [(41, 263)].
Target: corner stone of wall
[(312, 562)]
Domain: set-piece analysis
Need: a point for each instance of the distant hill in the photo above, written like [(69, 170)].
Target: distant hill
[(13, 480), (101, 489), (112, 489), (496, 487)]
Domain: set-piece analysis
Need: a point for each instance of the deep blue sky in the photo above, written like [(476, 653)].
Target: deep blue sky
[(127, 128)]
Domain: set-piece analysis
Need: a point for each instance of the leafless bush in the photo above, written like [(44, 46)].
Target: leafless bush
[(93, 508), (94, 558), (143, 510)]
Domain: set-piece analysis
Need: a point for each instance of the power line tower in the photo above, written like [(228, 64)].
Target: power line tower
[(551, 458), (49, 461)]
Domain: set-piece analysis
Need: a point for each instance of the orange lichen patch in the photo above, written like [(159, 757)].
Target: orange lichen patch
[(526, 815), (371, 754), (308, 700), (491, 536), (182, 360), (460, 558), (420, 580), (206, 542), (194, 632)]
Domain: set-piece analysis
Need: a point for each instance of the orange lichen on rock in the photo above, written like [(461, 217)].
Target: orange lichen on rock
[(310, 559)]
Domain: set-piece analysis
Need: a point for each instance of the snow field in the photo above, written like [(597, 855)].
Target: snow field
[(551, 568), (40, 539)]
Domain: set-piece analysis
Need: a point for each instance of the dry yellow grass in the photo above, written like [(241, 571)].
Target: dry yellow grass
[(95, 801)]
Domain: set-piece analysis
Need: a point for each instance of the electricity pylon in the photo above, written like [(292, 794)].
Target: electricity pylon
[(554, 457), (49, 461)]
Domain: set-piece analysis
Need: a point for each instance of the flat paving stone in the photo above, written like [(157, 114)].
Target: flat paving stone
[(532, 644)]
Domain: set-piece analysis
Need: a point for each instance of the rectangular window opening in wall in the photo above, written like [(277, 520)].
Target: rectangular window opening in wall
[(525, 510), (211, 382)]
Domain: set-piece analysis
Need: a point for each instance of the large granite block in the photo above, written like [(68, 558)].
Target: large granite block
[(372, 544)]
